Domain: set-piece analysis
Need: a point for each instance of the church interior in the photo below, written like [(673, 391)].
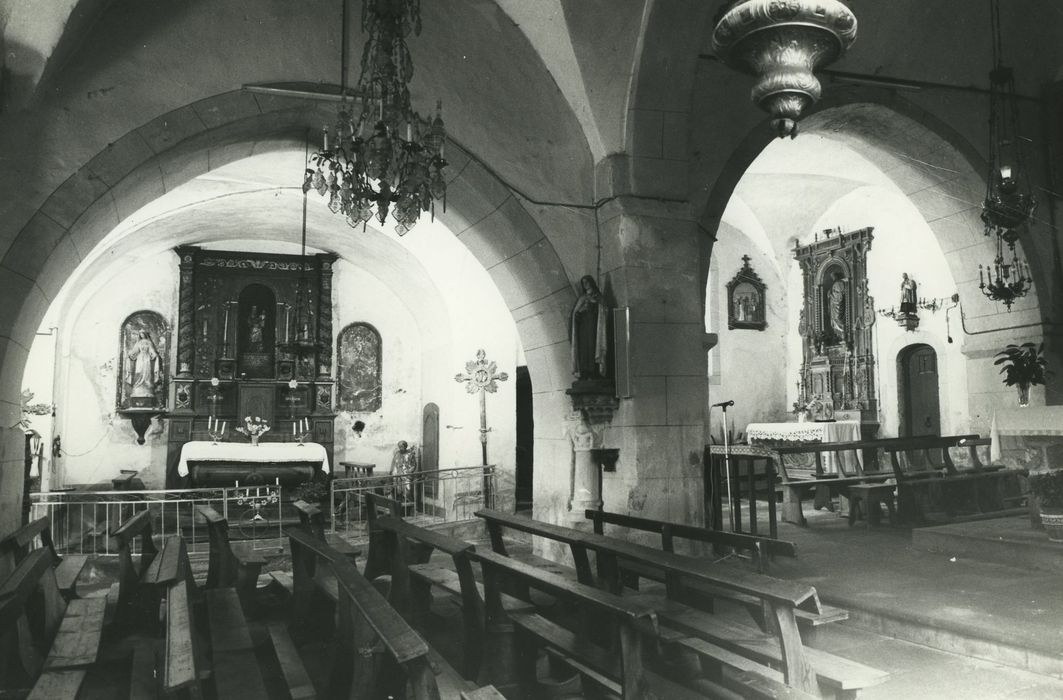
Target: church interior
[(531, 349)]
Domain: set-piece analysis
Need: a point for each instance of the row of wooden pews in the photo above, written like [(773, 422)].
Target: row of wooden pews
[(619, 639), (929, 481)]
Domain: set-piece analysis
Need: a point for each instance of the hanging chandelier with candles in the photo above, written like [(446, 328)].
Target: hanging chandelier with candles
[(1009, 204), (381, 157)]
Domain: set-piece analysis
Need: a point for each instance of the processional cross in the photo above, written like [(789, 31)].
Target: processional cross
[(481, 376)]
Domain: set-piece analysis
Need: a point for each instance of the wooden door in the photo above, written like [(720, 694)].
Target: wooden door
[(256, 400), (918, 385)]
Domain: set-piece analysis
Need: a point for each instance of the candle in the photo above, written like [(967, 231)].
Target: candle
[(324, 132), (277, 481), (293, 428), (225, 331), (287, 311), (237, 483), (223, 424)]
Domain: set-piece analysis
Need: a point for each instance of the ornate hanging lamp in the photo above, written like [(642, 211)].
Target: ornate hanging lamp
[(382, 157), (783, 42), (1009, 204)]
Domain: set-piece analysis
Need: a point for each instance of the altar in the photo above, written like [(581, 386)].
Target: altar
[(775, 434), (225, 463)]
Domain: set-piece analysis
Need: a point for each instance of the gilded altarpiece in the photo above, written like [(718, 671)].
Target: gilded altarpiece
[(836, 325), (249, 324)]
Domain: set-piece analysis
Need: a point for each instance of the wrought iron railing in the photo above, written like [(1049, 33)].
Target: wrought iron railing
[(82, 520), (444, 495)]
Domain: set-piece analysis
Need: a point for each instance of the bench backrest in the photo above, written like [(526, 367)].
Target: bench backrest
[(222, 564), (669, 531), (130, 574), (28, 622), (311, 517), (675, 566), (15, 546)]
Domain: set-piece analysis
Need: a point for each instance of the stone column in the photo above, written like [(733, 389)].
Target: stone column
[(651, 264), (584, 439)]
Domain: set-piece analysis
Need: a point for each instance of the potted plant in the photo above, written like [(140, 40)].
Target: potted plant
[(1047, 488), (1023, 366)]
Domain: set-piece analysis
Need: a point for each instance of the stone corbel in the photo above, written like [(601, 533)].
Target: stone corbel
[(141, 418), (595, 398)]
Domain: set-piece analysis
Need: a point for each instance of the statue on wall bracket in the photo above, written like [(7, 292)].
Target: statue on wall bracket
[(746, 300), (143, 360), (594, 387)]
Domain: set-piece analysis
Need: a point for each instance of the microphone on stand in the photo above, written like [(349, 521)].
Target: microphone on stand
[(724, 404)]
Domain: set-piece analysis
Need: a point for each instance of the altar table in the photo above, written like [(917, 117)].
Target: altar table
[(266, 462), (810, 433)]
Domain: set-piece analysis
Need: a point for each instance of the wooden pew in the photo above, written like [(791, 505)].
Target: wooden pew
[(761, 548), (131, 611), (409, 551), (236, 671), (46, 641), (779, 599), (15, 546), (631, 628), (312, 518), (228, 567), (808, 621), (377, 505), (928, 480), (365, 621)]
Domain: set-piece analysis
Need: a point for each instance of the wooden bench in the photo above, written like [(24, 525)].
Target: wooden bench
[(780, 600), (131, 610), (367, 627), (808, 621), (46, 641), (312, 518), (761, 548), (623, 666), (409, 551), (228, 567), (868, 499), (928, 481), (38, 534), (236, 671), (376, 505)]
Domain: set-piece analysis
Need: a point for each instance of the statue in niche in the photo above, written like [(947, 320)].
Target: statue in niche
[(836, 305), (590, 332), (909, 298), (144, 369), (256, 322)]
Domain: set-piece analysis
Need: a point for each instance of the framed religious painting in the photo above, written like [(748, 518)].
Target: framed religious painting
[(746, 300)]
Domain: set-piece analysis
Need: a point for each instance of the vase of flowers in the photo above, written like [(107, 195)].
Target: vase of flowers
[(1022, 367), (800, 410), (254, 428)]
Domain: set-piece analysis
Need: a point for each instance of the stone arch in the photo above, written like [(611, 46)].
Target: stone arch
[(177, 146), (885, 125)]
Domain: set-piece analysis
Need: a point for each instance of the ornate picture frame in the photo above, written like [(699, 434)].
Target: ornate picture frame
[(746, 300)]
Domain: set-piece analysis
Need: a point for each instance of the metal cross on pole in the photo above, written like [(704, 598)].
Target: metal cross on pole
[(481, 376)]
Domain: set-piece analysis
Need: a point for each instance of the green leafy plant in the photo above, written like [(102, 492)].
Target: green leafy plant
[(1022, 364), (315, 491), (1048, 487)]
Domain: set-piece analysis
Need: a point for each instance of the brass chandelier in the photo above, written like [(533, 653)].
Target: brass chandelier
[(1009, 204), (381, 157)]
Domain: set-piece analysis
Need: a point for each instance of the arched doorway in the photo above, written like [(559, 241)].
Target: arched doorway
[(917, 384)]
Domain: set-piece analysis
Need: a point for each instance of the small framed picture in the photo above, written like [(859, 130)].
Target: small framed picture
[(745, 299)]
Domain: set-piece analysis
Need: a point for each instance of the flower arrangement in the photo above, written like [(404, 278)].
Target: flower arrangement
[(1022, 364), (254, 427)]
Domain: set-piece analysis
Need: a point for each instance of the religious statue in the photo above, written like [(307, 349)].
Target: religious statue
[(836, 300), (144, 367), (908, 294), (589, 332), (403, 465), (255, 322)]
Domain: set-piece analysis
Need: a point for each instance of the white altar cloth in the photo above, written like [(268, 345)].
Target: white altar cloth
[(797, 433), (837, 431), (279, 452)]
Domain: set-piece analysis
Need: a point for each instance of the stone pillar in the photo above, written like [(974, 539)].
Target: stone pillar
[(584, 440), (651, 264)]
